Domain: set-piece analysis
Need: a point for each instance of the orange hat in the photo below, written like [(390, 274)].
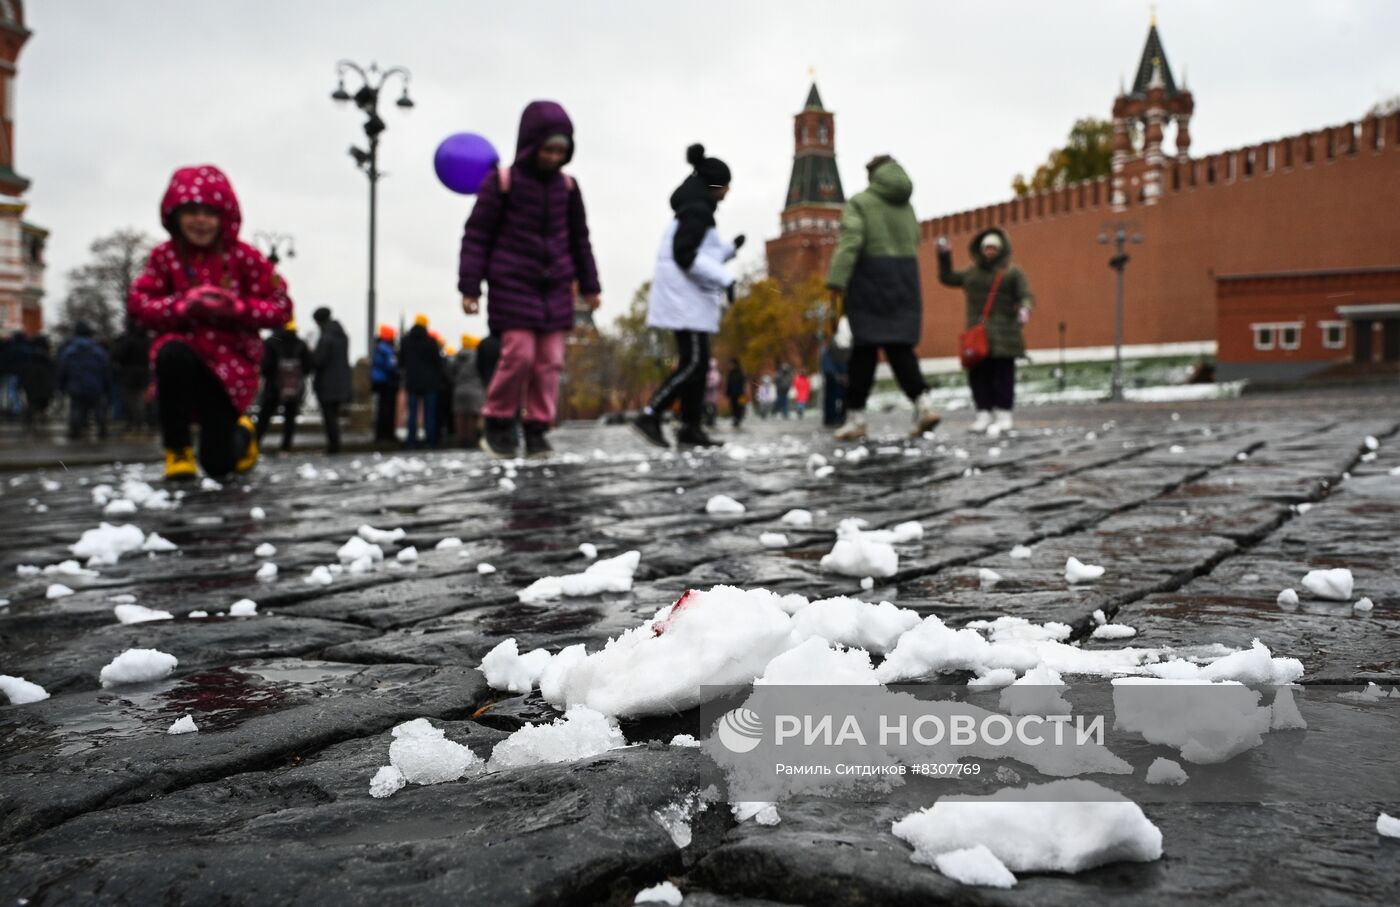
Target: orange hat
[(291, 325), (386, 332), (420, 320), (470, 341), (449, 352), (437, 338)]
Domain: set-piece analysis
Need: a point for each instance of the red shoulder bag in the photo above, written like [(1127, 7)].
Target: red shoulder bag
[(972, 343)]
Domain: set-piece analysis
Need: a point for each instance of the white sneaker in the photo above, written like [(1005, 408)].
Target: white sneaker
[(926, 417), (1003, 420), (854, 429), (982, 422)]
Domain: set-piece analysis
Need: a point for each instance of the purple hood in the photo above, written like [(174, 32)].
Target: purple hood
[(541, 120)]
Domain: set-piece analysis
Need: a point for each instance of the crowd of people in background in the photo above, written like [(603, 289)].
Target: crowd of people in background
[(194, 351)]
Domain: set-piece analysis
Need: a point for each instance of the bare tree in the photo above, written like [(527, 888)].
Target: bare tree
[(97, 290)]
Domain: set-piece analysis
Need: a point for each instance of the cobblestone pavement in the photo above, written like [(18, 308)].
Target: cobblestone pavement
[(1198, 518)]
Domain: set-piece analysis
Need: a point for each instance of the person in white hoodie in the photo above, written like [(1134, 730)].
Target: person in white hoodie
[(688, 294)]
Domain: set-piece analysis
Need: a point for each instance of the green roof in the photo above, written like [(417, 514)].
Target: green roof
[(1153, 55), (814, 100), (815, 181)]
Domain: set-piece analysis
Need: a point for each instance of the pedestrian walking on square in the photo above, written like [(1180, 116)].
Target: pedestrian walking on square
[(384, 381), (782, 383), (834, 378), (85, 375), (331, 359), (38, 380), (206, 294), (688, 293), (736, 388), (285, 366), (997, 294), (14, 354), (527, 238), (421, 360), (765, 396), (801, 392), (468, 392), (875, 272), (131, 362), (714, 383)]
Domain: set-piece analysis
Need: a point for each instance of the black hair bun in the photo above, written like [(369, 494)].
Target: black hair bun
[(695, 154)]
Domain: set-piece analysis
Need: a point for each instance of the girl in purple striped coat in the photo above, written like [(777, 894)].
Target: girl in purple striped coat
[(527, 238)]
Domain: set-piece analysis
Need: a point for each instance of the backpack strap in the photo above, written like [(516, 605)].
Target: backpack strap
[(992, 295)]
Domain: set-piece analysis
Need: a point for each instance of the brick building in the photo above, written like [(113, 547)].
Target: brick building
[(21, 244), (811, 218), (1321, 201), (1296, 324)]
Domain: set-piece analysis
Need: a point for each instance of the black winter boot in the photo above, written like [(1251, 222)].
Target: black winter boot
[(536, 445), (498, 439), (649, 427), (694, 436)]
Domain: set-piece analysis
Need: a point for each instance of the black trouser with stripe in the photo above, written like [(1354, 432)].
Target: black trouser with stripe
[(687, 382), (190, 392), (903, 362)]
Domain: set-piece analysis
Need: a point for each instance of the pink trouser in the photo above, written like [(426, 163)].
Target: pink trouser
[(527, 373)]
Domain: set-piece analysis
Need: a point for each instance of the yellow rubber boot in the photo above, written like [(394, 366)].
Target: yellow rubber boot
[(250, 453), (179, 464)]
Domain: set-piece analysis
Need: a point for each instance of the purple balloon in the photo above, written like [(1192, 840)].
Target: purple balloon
[(463, 160)]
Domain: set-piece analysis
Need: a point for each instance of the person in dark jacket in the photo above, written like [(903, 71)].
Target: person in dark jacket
[(14, 353), (468, 392), (834, 379), (285, 365), (782, 383), (421, 360), (993, 380), (331, 385), (131, 362), (527, 238), (876, 271), (736, 388), (85, 375), (384, 380), (37, 380)]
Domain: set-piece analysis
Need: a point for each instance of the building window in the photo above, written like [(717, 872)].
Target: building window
[(1263, 336), (1288, 336), (1334, 334), (822, 135)]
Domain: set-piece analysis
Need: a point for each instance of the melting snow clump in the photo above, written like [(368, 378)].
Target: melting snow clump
[(723, 504), (1114, 631), (185, 725), (582, 732), (138, 666), (660, 893), (611, 575), (1064, 826), (425, 756), (244, 607), (137, 614), (1165, 771), (975, 866), (20, 691), (386, 782), (506, 669), (1330, 584), (1077, 572)]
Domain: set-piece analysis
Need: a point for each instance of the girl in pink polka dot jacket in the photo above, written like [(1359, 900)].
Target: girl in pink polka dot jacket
[(205, 294)]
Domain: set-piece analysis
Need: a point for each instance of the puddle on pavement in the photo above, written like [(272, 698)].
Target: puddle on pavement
[(217, 700)]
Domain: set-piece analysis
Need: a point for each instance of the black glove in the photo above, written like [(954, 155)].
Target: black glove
[(729, 291), (738, 242)]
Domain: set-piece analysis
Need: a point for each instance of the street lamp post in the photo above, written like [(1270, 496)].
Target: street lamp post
[(274, 243), (366, 98), (1118, 262)]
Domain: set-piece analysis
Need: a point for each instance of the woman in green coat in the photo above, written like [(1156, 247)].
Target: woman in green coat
[(993, 380), (876, 267)]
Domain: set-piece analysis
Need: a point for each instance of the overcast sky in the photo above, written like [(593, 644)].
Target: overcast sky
[(113, 96)]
